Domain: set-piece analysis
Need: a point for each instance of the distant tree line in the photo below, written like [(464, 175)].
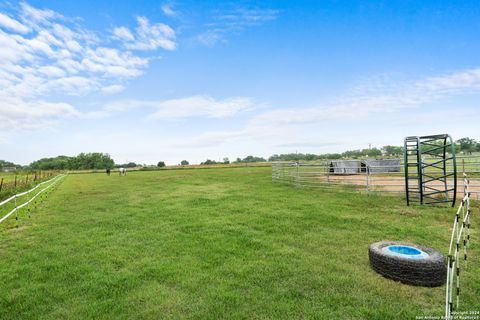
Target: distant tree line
[(467, 145), (353, 154), (127, 165), (208, 161), (247, 159), (463, 145), (94, 160), (7, 165), (250, 159)]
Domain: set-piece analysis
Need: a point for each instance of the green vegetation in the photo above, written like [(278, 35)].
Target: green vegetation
[(6, 165), (184, 163), (249, 159), (211, 162), (94, 160), (468, 145), (161, 164), (350, 154), (11, 183), (465, 145), (127, 165), (216, 243)]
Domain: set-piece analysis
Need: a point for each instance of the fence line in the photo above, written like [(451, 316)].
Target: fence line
[(19, 179), (368, 177), (48, 183), (459, 231)]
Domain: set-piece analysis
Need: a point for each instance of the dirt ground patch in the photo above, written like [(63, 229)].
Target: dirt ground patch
[(392, 183)]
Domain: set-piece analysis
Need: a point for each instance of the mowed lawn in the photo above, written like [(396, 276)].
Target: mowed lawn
[(216, 244)]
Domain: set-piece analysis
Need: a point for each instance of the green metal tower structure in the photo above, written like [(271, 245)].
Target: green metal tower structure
[(430, 170)]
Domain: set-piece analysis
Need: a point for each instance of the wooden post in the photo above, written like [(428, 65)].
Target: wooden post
[(297, 177), (367, 173), (15, 200)]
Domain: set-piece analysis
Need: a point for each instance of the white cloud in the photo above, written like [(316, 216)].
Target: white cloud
[(202, 106), (291, 129), (389, 98), (116, 88), (242, 17), (167, 10), (14, 25), (19, 114), (234, 21), (51, 71), (455, 83), (45, 54), (123, 33), (210, 37), (194, 106), (33, 15), (147, 36), (112, 62)]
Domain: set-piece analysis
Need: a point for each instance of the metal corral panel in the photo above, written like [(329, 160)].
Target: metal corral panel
[(346, 166), (383, 165)]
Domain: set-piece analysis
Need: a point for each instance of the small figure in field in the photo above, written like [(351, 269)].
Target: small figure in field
[(108, 171), (122, 171)]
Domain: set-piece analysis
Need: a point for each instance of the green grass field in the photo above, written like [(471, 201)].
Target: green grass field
[(216, 243)]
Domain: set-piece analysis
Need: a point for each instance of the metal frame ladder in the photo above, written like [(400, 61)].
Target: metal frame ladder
[(429, 164)]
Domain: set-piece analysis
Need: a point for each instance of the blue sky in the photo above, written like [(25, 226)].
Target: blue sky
[(149, 80)]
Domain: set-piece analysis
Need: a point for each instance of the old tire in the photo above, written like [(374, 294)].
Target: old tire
[(430, 270)]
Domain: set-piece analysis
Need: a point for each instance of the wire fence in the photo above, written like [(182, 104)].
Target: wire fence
[(13, 182), (460, 234), (364, 175), (11, 205)]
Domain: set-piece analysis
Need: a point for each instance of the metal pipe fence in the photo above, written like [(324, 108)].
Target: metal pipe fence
[(370, 176)]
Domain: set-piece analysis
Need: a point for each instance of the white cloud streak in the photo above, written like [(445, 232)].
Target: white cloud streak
[(167, 10), (188, 107), (147, 36), (234, 21), (389, 98), (13, 25), (288, 128)]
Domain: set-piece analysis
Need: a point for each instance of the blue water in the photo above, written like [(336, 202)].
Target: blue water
[(406, 252)]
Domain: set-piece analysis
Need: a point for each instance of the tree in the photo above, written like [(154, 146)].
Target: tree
[(467, 145), (94, 160), (208, 162), (252, 159), (161, 164), (184, 163), (8, 164), (128, 165), (226, 160), (352, 154), (392, 150), (373, 152)]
